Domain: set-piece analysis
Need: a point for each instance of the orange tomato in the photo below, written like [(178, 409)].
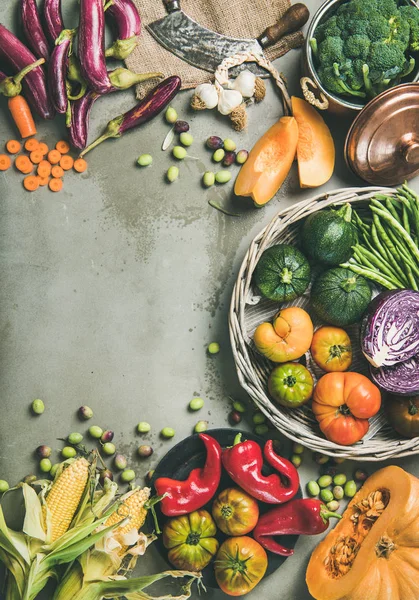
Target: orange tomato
[(240, 564), (331, 349), (342, 405), (235, 512)]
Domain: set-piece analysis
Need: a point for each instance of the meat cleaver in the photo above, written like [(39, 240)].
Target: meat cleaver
[(206, 49)]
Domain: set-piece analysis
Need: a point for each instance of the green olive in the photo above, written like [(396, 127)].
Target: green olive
[(201, 426), (229, 145), (261, 429), (143, 427), (350, 489), (172, 174), (208, 179), (179, 152), (241, 157), (333, 505), (297, 448), (239, 406), (326, 495), (213, 348), (338, 492), (296, 460), (95, 431), (38, 407), (109, 449), (339, 479), (127, 475), (171, 115), (313, 488), (258, 418), (186, 139), (74, 438), (167, 432), (68, 452), (54, 469), (223, 176), (45, 465), (218, 155), (324, 481), (4, 486), (145, 160), (196, 404)]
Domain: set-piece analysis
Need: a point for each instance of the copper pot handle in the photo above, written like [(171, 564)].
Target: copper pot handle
[(322, 103)]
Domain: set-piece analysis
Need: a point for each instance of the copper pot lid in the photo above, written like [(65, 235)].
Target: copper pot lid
[(382, 146)]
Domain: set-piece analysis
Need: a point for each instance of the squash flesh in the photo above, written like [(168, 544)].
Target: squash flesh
[(269, 162), (315, 147), (371, 577)]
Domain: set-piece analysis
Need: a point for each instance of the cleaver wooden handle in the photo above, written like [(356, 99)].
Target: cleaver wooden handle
[(295, 17)]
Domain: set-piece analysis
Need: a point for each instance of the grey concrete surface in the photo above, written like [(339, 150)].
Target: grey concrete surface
[(111, 290)]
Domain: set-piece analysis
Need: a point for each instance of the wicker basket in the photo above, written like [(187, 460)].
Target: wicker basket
[(248, 309)]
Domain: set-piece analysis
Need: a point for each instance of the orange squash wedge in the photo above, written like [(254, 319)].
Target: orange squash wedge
[(269, 162), (373, 552), (315, 148)]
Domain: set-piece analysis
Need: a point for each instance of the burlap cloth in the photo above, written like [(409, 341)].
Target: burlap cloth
[(239, 18)]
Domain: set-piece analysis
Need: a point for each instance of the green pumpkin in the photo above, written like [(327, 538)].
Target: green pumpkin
[(282, 273), (190, 540), (340, 297), (327, 236)]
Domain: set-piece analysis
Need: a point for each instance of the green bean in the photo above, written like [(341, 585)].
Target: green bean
[(411, 278), (372, 275), (391, 208), (403, 250), (374, 262), (404, 235), (389, 247), (406, 222)]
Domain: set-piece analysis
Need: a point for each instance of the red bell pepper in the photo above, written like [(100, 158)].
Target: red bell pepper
[(244, 461), (183, 497), (302, 516)]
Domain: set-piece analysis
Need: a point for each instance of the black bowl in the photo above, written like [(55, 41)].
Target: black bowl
[(190, 454)]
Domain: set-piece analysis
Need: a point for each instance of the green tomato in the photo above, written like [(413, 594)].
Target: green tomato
[(291, 385), (190, 540)]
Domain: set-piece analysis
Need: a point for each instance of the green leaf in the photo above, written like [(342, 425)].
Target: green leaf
[(127, 587), (12, 542), (32, 524)]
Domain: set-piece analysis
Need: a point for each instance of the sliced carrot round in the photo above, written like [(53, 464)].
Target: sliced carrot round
[(5, 162), (43, 148), (55, 184), (23, 164), (43, 180), (13, 146), (66, 162), (31, 183), (62, 146), (57, 171), (44, 168), (36, 157), (31, 144), (54, 157), (80, 165)]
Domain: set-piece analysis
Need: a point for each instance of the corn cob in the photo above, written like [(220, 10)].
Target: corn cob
[(65, 495), (132, 507)]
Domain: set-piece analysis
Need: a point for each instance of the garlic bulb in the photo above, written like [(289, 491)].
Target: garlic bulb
[(207, 94), (244, 83), (228, 101)]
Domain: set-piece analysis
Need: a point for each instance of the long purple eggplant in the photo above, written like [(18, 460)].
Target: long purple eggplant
[(91, 46), (32, 28), (57, 70), (12, 86), (144, 111), (80, 113), (17, 56), (53, 19), (127, 21)]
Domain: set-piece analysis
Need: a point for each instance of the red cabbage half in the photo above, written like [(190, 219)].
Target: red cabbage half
[(401, 379), (390, 329)]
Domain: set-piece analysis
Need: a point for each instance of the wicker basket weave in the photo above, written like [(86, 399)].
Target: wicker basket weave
[(247, 310)]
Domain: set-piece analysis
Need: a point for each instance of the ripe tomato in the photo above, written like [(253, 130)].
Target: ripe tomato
[(291, 384), (343, 403), (403, 414), (235, 512), (190, 540), (240, 564), (331, 349)]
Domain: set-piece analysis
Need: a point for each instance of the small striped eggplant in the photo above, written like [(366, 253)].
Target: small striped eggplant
[(127, 21), (34, 34), (144, 111), (17, 56), (91, 46), (79, 125), (53, 19), (58, 69)]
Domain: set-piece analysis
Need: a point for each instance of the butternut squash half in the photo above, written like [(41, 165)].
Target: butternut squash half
[(373, 552), (315, 147), (269, 162)]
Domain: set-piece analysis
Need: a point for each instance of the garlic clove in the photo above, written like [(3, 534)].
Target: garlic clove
[(229, 100), (244, 83), (207, 93)]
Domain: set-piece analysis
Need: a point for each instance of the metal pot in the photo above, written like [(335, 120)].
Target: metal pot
[(335, 104)]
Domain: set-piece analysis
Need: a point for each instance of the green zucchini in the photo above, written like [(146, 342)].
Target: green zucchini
[(282, 273)]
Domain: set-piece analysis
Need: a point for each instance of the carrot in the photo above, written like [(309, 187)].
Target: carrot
[(66, 162), (22, 116), (44, 169), (54, 157), (5, 162), (31, 145), (80, 165), (23, 164), (43, 148), (13, 146), (55, 184), (62, 146), (57, 171), (43, 180), (31, 183), (36, 157)]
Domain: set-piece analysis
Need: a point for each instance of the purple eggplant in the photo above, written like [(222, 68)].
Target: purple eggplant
[(80, 113), (32, 28), (91, 46), (17, 56), (12, 86), (57, 70), (127, 21), (144, 111), (53, 18)]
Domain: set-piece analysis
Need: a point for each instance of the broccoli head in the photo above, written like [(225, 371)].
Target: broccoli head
[(356, 46), (328, 29), (330, 50), (387, 8), (400, 32), (378, 28), (386, 58), (410, 14), (333, 81)]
